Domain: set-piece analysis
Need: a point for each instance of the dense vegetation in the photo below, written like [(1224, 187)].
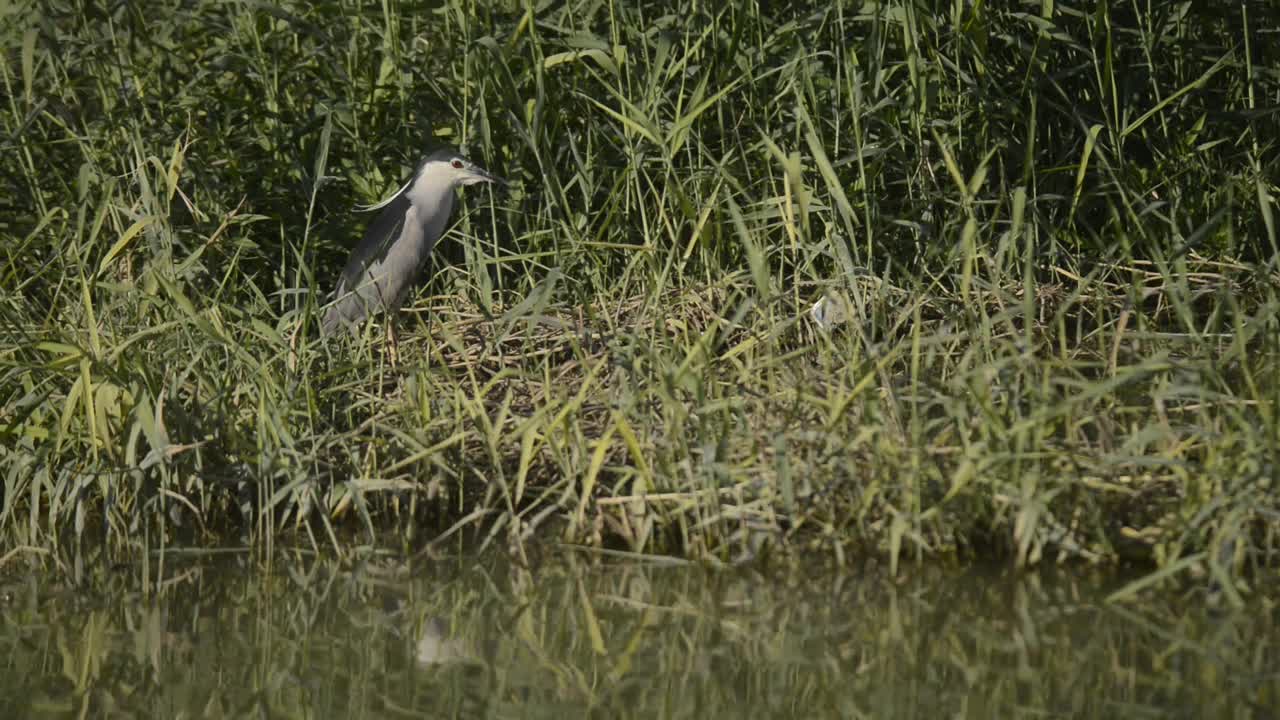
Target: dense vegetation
[(1051, 227)]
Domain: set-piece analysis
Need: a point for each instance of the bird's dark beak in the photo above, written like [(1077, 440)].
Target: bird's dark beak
[(476, 174)]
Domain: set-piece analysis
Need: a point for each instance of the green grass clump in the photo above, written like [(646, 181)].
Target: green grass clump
[(1052, 231)]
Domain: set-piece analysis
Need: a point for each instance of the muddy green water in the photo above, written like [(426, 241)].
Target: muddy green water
[(584, 637)]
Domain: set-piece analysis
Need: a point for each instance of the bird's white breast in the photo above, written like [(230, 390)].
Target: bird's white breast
[(430, 205)]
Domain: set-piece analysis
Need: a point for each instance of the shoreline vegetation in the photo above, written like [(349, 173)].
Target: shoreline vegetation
[(1051, 235)]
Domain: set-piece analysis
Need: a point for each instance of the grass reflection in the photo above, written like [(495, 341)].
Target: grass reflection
[(579, 637)]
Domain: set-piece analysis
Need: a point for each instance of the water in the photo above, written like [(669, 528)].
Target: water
[(586, 637)]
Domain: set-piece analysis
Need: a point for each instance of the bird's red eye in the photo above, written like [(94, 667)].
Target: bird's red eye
[(457, 164)]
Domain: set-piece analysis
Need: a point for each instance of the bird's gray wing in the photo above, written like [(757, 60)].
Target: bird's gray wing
[(355, 295), (377, 241)]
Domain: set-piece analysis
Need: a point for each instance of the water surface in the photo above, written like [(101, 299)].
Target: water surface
[(583, 636)]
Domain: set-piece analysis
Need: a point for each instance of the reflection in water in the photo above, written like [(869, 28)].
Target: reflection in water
[(435, 647), (579, 638)]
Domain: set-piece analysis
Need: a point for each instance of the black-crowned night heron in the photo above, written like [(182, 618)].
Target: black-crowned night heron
[(382, 267)]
